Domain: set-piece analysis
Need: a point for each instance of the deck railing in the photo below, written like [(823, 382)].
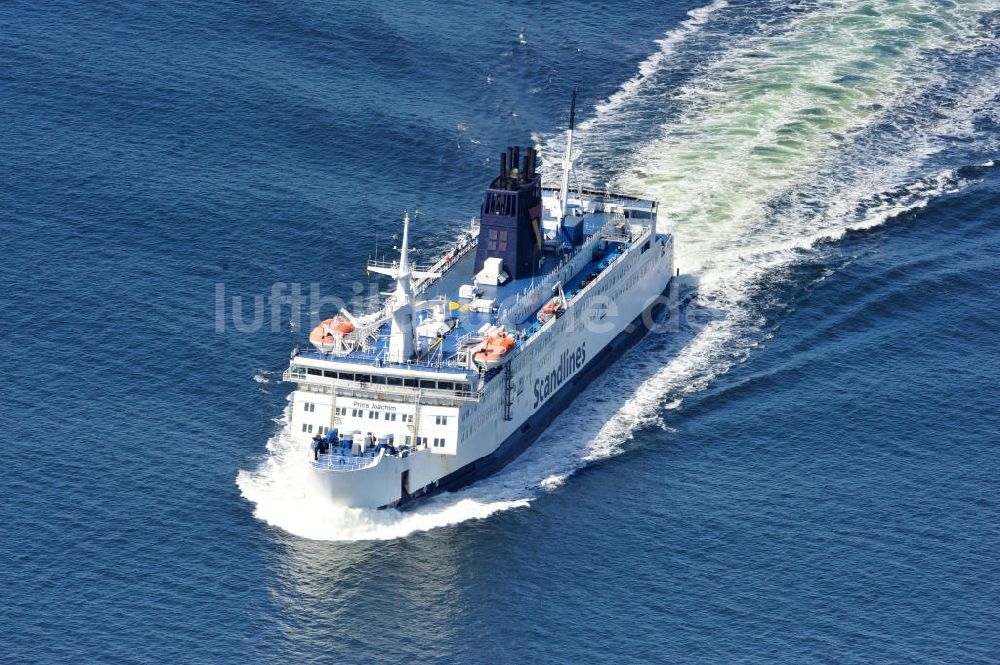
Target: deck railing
[(534, 297), (362, 390), (339, 461)]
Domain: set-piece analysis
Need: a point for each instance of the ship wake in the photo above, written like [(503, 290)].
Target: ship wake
[(833, 117)]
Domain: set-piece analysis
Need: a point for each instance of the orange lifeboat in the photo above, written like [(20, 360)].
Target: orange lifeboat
[(328, 335), (494, 349), (551, 308)]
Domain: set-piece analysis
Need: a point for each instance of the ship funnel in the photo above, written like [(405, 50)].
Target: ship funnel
[(510, 217)]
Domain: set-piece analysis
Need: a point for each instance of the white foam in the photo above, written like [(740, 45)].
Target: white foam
[(283, 493), (696, 18)]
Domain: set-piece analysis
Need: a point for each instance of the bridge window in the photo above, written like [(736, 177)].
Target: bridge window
[(363, 378), (314, 371), (430, 385), (378, 379), (394, 380), (446, 385), (411, 383)]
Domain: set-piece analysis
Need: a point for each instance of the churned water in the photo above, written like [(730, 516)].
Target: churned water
[(804, 470)]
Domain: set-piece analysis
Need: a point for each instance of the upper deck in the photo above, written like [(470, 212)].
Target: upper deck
[(610, 225), (608, 220)]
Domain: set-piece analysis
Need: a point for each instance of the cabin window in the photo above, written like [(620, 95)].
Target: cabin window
[(390, 416), (373, 415), (357, 413), (307, 428), (308, 406), (438, 443), (440, 420), (341, 410), (407, 417)]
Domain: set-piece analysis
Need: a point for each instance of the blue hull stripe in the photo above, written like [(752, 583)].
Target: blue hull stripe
[(533, 427)]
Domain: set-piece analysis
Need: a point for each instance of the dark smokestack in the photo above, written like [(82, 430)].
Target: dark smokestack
[(532, 157), (517, 157), (526, 167), (503, 164), (572, 110)]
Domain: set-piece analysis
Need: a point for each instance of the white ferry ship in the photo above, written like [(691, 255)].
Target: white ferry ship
[(468, 361)]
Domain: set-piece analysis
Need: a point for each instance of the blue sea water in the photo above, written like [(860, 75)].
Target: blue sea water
[(803, 470)]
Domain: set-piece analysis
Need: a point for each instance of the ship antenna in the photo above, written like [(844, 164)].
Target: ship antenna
[(402, 337), (404, 261), (567, 160)]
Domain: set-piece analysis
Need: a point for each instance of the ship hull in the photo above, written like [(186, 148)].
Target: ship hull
[(529, 431)]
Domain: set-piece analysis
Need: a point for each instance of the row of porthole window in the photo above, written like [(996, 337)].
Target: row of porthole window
[(308, 428)]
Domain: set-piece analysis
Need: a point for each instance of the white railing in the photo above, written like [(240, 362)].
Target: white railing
[(533, 297), (463, 246), (348, 462)]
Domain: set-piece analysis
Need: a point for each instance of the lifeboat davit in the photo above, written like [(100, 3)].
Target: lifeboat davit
[(494, 350), (552, 308), (328, 336)]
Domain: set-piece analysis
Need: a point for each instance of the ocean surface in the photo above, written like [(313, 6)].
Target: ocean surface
[(804, 469)]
